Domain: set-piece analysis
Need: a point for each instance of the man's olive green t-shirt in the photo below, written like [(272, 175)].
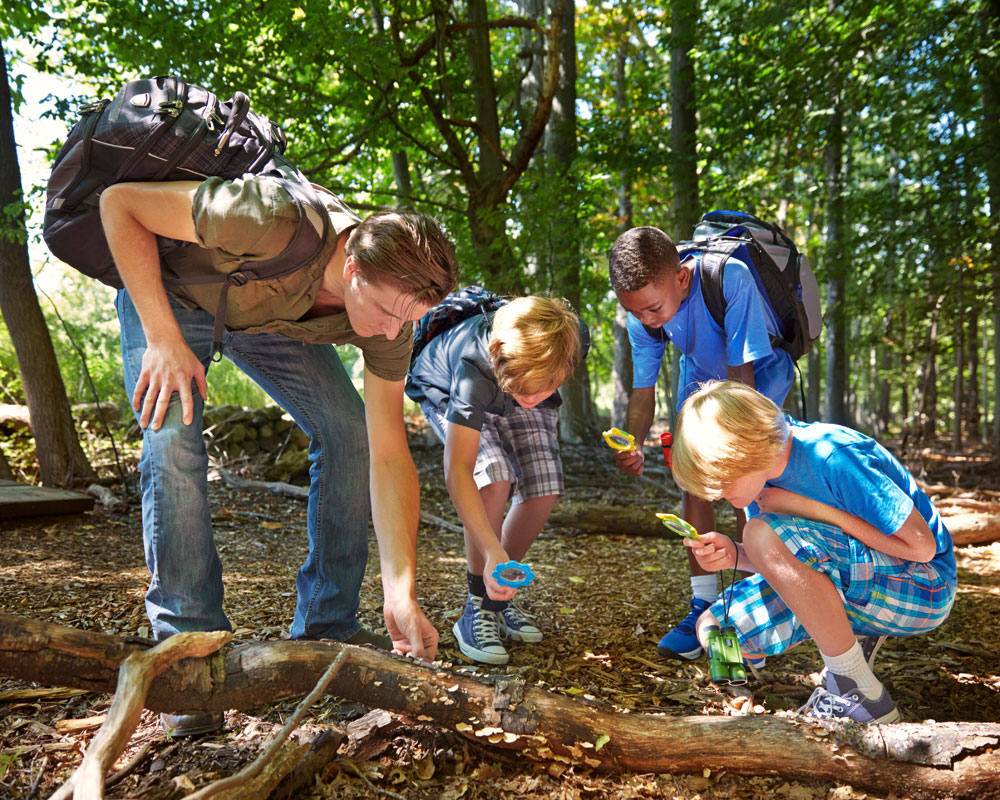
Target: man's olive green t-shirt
[(253, 218)]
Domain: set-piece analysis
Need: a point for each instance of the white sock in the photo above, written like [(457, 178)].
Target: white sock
[(705, 587), (853, 665)]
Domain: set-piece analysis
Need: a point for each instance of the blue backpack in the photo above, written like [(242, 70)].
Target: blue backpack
[(457, 306), (782, 274)]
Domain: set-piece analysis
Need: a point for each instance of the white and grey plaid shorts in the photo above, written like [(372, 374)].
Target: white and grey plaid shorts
[(522, 448)]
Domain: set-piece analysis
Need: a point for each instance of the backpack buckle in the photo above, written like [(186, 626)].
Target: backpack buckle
[(96, 105), (238, 279), (171, 108)]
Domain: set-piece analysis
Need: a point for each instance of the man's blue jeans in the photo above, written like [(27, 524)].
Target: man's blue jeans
[(310, 383)]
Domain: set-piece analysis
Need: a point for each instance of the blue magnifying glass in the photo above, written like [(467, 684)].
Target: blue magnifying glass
[(513, 574)]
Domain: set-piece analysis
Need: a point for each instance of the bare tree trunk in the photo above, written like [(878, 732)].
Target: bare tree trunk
[(886, 347), (683, 117), (577, 415), (621, 370), (958, 397), (57, 445), (836, 286), (990, 146), (927, 413)]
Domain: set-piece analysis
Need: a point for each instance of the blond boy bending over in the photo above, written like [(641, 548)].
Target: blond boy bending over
[(843, 541), (488, 388)]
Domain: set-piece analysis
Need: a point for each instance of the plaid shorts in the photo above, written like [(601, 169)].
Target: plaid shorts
[(522, 448), (882, 594)]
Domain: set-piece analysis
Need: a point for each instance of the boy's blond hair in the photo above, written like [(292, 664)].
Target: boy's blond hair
[(535, 344), (725, 430)]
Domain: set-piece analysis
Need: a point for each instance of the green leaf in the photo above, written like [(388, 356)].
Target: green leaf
[(602, 740)]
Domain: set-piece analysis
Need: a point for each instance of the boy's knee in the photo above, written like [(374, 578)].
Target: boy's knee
[(759, 540)]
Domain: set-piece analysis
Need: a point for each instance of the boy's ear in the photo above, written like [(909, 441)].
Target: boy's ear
[(684, 276), (350, 268)]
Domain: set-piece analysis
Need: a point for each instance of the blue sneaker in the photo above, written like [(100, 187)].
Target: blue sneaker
[(842, 699), (478, 633), (520, 624), (682, 642)]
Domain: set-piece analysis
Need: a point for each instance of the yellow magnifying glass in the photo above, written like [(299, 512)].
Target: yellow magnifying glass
[(679, 526), (619, 439)]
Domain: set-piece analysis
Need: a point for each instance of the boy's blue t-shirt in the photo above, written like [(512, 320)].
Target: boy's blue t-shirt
[(707, 349), (854, 473)]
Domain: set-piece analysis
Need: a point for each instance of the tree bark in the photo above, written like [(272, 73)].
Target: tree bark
[(621, 368), (959, 760), (989, 69), (61, 460), (836, 286), (683, 117)]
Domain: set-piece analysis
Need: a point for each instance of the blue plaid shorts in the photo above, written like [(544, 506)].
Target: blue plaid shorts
[(882, 594), (521, 448)]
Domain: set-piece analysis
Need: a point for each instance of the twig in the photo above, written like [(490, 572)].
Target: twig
[(275, 487), (130, 767), (354, 767), (248, 773)]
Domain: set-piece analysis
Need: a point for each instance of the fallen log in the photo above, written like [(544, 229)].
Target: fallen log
[(972, 528), (302, 493), (930, 760)]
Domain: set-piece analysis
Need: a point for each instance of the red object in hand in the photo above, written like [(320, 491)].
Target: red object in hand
[(666, 439)]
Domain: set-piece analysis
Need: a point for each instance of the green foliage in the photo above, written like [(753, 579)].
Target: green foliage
[(356, 87)]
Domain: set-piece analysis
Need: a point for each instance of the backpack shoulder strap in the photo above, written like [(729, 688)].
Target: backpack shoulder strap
[(712, 268)]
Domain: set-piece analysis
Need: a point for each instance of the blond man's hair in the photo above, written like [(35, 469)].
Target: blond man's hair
[(535, 344), (725, 430)]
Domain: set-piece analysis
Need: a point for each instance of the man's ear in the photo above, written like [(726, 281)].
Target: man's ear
[(350, 268)]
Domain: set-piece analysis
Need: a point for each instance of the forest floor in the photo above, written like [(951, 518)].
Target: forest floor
[(603, 601)]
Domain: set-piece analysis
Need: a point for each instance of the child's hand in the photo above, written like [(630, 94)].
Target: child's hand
[(496, 591), (714, 551), (630, 461)]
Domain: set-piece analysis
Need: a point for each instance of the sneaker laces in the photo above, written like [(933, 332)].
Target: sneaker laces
[(519, 615), (687, 625), (824, 704), (486, 627)]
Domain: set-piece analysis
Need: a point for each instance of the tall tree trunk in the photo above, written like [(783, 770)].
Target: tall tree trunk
[(989, 69), (927, 414), (683, 117), (886, 347), (959, 386), (486, 221), (57, 446), (836, 287), (621, 370), (577, 416), (683, 142)]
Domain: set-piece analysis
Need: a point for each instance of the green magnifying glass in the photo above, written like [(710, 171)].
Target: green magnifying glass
[(679, 526)]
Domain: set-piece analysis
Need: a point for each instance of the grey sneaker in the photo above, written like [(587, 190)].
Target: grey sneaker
[(842, 699), (869, 647), (520, 624), (478, 633), (177, 725)]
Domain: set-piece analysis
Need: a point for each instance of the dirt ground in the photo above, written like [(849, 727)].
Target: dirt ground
[(603, 601)]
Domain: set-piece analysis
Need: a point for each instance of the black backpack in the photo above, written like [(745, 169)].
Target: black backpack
[(457, 306), (163, 129), (782, 274)]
